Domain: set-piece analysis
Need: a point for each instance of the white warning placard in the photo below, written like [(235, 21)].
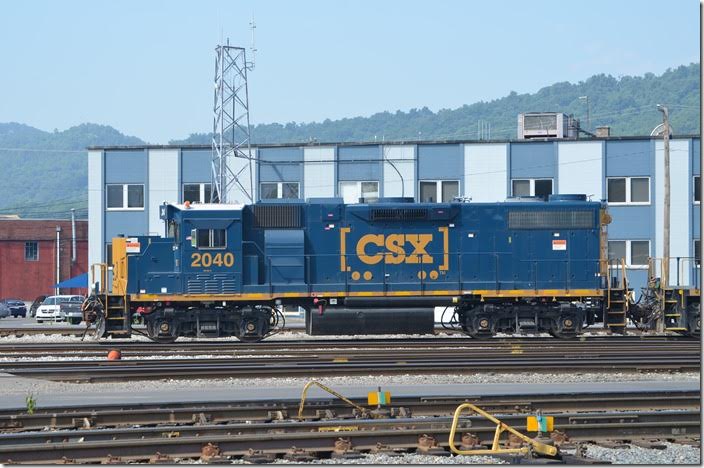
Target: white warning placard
[(559, 244), (132, 245)]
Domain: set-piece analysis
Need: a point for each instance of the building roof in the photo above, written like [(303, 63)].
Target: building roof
[(390, 142), (40, 229), (208, 206)]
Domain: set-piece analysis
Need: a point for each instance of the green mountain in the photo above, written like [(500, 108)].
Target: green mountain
[(626, 104), (45, 173)]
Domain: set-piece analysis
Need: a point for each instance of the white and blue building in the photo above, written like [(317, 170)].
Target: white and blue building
[(128, 184)]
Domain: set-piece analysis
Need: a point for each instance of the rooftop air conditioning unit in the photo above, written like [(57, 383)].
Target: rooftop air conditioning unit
[(546, 125)]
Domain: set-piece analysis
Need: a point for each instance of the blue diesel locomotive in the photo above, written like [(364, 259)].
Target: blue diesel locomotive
[(367, 268)]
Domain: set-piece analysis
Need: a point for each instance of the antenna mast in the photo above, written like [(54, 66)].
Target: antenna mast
[(232, 168)]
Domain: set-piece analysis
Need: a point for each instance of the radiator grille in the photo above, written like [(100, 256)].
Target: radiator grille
[(399, 214), (523, 219), (215, 283), (277, 216)]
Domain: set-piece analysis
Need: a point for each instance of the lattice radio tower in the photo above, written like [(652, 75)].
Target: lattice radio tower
[(232, 161)]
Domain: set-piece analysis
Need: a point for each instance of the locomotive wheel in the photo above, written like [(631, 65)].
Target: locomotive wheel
[(695, 321), (163, 339), (250, 339), (563, 335), (155, 326), (480, 327), (565, 329)]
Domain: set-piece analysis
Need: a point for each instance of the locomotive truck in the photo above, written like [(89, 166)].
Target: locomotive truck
[(376, 267)]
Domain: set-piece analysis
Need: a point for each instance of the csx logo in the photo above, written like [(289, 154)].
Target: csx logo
[(396, 249), (397, 246)]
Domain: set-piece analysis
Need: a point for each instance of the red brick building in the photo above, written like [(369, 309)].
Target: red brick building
[(28, 256)]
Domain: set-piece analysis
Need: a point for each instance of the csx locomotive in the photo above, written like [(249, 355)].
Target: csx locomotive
[(368, 268)]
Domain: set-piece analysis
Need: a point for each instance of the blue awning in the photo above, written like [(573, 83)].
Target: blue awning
[(80, 281)]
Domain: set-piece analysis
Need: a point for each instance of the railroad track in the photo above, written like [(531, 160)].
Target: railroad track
[(342, 434), (205, 346), (350, 362), (79, 330), (222, 412)]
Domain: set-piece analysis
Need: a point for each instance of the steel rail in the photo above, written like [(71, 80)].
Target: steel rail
[(385, 363), (136, 444), (284, 353), (71, 417), (356, 343)]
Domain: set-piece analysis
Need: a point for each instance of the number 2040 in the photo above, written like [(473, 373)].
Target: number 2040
[(205, 260)]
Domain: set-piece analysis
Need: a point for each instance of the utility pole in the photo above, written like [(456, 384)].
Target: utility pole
[(589, 120), (73, 235), (58, 258), (665, 276)]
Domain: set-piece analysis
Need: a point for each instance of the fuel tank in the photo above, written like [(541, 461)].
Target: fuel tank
[(370, 321)]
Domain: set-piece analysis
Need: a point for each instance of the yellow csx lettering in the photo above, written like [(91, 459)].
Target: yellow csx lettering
[(396, 248)]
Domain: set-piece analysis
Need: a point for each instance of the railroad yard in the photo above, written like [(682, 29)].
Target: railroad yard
[(614, 399), (319, 260)]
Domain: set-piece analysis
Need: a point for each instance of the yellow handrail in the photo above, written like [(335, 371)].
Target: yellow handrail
[(538, 447), (103, 272)]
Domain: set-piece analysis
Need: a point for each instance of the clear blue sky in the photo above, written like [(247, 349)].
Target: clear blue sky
[(146, 67)]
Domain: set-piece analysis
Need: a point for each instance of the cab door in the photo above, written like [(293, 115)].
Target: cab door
[(212, 257)]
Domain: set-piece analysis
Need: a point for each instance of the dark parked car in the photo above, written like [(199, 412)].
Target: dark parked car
[(17, 308), (70, 306), (4, 310), (35, 305)]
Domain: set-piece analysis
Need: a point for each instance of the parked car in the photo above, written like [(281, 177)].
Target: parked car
[(51, 308), (35, 305), (17, 307), (4, 310), (71, 309)]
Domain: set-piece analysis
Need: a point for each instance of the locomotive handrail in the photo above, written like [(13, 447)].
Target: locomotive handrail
[(103, 269)]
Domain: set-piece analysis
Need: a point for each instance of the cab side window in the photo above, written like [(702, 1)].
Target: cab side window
[(208, 238)]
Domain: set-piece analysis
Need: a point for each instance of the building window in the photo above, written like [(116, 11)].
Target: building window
[(31, 251), (208, 238), (274, 190), (444, 191), (125, 196), (640, 251), (634, 252), (196, 193), (352, 191), (628, 190), (697, 189), (531, 188)]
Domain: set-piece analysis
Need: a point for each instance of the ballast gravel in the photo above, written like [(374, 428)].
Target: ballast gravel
[(404, 459), (19, 386), (673, 454), (383, 459), (50, 337)]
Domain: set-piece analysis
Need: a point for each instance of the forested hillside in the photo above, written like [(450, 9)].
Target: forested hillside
[(626, 104), (44, 174)]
